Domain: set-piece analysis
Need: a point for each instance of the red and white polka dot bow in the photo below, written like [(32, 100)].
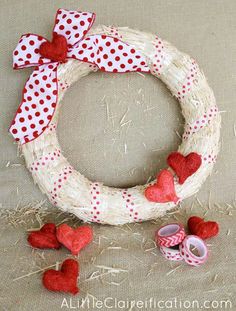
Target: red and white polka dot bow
[(70, 41)]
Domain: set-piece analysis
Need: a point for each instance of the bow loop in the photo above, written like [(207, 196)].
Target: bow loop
[(27, 54), (39, 100), (73, 25)]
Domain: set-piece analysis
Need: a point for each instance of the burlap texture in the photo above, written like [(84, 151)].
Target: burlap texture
[(102, 149)]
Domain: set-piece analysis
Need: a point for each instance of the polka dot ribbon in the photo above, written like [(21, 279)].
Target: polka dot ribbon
[(70, 41)]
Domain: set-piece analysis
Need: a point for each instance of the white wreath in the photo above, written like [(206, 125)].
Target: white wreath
[(95, 202)]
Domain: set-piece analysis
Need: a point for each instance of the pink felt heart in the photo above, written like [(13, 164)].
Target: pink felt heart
[(184, 166), (164, 190), (74, 239), (55, 50)]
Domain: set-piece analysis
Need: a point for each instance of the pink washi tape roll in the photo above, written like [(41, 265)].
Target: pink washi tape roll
[(171, 253), (190, 244), (170, 235)]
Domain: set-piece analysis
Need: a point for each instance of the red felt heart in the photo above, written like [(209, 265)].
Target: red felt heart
[(64, 280), (201, 228), (74, 239), (55, 50), (164, 190), (45, 237), (184, 166)]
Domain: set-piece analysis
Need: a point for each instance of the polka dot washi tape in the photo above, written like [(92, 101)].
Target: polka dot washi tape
[(193, 250), (171, 253)]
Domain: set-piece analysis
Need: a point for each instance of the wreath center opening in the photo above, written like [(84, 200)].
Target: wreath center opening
[(119, 129)]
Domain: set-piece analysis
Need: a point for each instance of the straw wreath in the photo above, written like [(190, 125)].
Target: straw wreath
[(94, 202)]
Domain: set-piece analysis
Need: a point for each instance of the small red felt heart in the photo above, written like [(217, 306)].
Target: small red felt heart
[(164, 190), (184, 166), (45, 237), (55, 50), (74, 239), (64, 280), (201, 228)]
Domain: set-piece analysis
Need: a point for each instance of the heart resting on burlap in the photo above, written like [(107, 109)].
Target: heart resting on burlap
[(64, 280), (201, 228), (74, 239), (45, 237)]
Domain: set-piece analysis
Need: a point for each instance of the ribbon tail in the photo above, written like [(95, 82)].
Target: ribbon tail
[(109, 54), (38, 105)]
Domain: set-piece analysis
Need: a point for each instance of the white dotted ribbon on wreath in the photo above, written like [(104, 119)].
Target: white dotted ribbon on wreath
[(209, 158), (64, 85), (52, 127), (114, 32), (95, 201), (58, 183), (45, 160), (158, 61), (130, 205), (200, 123), (187, 84)]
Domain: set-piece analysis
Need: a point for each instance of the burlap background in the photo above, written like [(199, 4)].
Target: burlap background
[(97, 145)]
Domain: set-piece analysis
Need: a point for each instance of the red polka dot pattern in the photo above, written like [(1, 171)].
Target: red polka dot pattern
[(171, 253), (95, 202), (183, 89), (189, 257), (63, 85), (73, 25), (109, 54), (190, 79), (93, 67), (209, 158), (114, 32), (51, 127), (157, 66), (38, 104), (200, 123), (59, 182), (130, 205), (45, 160), (27, 54)]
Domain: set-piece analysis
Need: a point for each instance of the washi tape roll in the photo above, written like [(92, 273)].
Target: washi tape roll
[(191, 246), (170, 235), (171, 253)]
